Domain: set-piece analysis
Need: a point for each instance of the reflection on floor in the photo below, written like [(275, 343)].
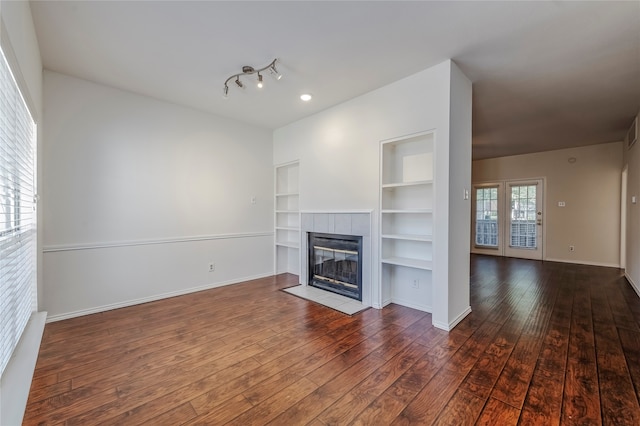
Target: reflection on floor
[(334, 301)]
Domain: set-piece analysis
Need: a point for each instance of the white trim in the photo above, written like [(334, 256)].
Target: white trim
[(431, 131), (93, 246), (633, 285), (441, 325), (412, 305), (380, 306), (583, 262), (385, 303), (153, 298), (624, 179), (16, 379), (452, 324), (288, 163)]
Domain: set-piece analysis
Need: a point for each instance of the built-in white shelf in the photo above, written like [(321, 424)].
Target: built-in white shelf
[(408, 237), (406, 220), (288, 244), (399, 211), (406, 184), (411, 263), (287, 218)]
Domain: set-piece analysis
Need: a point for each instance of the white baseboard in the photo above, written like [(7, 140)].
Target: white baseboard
[(383, 304), (376, 306), (412, 305), (454, 322), (17, 376), (104, 308), (633, 284), (583, 262)]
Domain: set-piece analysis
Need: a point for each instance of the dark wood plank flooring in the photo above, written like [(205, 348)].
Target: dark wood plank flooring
[(546, 343)]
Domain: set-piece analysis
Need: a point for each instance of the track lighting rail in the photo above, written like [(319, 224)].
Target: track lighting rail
[(249, 70)]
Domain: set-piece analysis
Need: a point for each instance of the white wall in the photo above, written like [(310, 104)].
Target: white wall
[(632, 263), (141, 195), (460, 208), (590, 188), (339, 148)]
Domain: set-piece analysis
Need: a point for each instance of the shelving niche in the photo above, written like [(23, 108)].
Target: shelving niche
[(287, 218), (406, 221)]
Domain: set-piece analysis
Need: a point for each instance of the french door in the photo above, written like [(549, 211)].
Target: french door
[(508, 219)]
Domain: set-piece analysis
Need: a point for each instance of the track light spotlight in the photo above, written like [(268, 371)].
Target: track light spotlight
[(249, 70), (275, 72)]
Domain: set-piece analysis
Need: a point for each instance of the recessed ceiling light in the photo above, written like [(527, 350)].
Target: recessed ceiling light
[(306, 97)]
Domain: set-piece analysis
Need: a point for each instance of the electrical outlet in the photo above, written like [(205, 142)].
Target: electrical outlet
[(572, 248), (212, 267), (416, 284)]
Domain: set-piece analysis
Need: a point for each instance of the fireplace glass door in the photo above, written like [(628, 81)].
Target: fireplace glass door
[(334, 264)]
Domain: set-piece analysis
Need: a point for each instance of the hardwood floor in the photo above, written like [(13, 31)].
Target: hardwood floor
[(546, 343)]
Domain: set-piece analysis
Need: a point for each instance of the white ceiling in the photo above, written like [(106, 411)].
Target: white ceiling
[(546, 75)]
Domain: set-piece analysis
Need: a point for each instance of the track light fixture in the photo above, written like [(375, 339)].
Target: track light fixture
[(249, 70)]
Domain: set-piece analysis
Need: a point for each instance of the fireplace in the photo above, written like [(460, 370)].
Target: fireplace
[(335, 263)]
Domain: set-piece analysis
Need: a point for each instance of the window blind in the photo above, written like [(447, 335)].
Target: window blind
[(17, 214)]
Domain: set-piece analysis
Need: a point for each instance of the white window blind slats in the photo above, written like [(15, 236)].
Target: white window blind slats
[(17, 214)]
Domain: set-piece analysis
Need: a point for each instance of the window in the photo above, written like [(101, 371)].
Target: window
[(17, 214), (487, 216)]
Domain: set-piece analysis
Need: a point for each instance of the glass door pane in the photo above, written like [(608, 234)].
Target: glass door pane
[(524, 219), (486, 227), (487, 215), (523, 233)]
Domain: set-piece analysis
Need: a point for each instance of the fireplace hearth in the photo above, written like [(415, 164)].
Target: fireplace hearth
[(335, 263)]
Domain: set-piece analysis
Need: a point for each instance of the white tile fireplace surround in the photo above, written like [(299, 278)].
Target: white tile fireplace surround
[(356, 223)]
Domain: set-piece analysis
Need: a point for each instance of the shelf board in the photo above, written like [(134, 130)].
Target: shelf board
[(287, 211), (407, 211), (408, 237), (288, 228), (405, 184), (289, 244), (411, 263), (287, 194)]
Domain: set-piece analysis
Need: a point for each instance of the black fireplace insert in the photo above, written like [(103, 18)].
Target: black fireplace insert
[(335, 263)]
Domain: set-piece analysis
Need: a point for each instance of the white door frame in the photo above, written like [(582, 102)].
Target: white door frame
[(623, 217), (493, 251), (518, 252)]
